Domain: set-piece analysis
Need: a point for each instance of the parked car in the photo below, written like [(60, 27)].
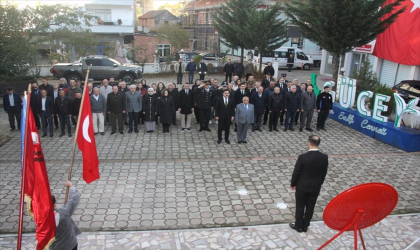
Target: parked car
[(408, 90), (212, 56), (101, 67), (188, 55)]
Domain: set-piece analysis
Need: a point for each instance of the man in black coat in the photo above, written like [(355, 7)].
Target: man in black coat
[(291, 107), (202, 70), (266, 81), (239, 69), (12, 105), (116, 107), (269, 69), (205, 104), (62, 110), (259, 100), (290, 62), (324, 106), (224, 114), (48, 87), (275, 106), (228, 70), (240, 93), (45, 107), (186, 107), (173, 92), (35, 94), (307, 179)]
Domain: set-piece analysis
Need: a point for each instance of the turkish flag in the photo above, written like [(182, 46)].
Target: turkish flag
[(400, 43), (86, 141), (37, 187)]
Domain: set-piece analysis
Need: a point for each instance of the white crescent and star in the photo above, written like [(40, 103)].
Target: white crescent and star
[(416, 5), (85, 129)]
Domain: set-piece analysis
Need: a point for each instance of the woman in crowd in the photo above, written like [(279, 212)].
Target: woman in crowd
[(145, 86), (150, 110), (143, 92), (196, 110), (160, 89), (166, 110)]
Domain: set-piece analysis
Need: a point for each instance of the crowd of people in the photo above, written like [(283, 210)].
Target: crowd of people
[(244, 104)]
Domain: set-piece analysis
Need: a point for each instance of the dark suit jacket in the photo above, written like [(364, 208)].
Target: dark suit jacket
[(49, 88), (116, 102), (259, 103), (17, 100), (222, 111), (238, 95), (310, 171), (185, 102), (49, 105)]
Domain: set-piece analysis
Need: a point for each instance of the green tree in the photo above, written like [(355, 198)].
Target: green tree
[(366, 78), (259, 26), (339, 26), (176, 36), (230, 22)]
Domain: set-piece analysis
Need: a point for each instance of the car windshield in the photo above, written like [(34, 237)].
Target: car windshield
[(415, 88)]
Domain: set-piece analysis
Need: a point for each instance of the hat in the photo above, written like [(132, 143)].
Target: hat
[(90, 80), (207, 83), (224, 84), (78, 91), (9, 88), (283, 75)]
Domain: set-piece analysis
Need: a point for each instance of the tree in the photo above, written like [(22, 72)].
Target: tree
[(258, 29), (339, 26), (229, 22), (176, 36)]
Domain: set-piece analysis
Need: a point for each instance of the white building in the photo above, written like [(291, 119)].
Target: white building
[(389, 73)]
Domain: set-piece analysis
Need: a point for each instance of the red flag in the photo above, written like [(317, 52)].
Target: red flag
[(37, 188), (400, 43), (86, 142)]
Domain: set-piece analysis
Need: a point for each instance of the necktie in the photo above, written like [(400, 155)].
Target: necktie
[(310, 97), (186, 92), (226, 103), (242, 92), (246, 106), (259, 95)]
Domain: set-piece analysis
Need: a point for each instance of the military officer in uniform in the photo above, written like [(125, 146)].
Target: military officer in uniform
[(205, 104)]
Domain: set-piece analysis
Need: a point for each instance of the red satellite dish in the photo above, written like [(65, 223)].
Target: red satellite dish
[(359, 207)]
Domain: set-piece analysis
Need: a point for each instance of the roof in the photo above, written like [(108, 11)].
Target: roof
[(152, 14)]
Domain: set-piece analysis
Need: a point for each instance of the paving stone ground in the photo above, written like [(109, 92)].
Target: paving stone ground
[(185, 180)]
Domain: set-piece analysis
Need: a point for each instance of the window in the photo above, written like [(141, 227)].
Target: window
[(164, 50), (93, 62), (103, 14), (281, 54), (107, 63), (301, 56)]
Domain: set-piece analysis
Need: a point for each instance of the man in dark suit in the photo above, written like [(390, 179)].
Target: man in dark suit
[(173, 92), (12, 105), (186, 107), (228, 70), (48, 87), (205, 103), (35, 94), (291, 107), (240, 93), (266, 81), (45, 107), (269, 69), (324, 106), (224, 114), (307, 179), (259, 100), (116, 107)]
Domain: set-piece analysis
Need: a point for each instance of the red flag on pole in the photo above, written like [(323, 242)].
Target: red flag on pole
[(37, 188), (400, 43), (86, 141)]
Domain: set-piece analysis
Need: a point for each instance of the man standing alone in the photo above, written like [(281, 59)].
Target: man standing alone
[(244, 117), (307, 179), (191, 67), (224, 113), (323, 105), (12, 104)]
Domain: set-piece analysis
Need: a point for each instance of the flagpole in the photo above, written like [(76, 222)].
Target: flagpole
[(76, 133), (23, 160)]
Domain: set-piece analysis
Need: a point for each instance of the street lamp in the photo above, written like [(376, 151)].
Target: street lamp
[(276, 56)]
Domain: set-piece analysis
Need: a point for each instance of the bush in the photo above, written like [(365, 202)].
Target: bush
[(384, 90), (197, 59), (366, 78)]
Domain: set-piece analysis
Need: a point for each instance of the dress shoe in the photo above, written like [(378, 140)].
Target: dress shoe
[(305, 229), (44, 136), (207, 129), (309, 129), (291, 129), (102, 133), (136, 131), (253, 130), (13, 129), (318, 129), (130, 131), (61, 135), (259, 129), (301, 129), (323, 129), (121, 132), (227, 141), (95, 133), (276, 130), (244, 142), (270, 130), (113, 133), (201, 129), (239, 142), (285, 130), (219, 141), (292, 226), (70, 135)]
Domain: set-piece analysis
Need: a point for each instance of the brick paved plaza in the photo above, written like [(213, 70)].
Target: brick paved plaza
[(185, 180)]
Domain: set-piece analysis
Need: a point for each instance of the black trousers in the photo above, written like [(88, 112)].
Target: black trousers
[(266, 116), (65, 120), (179, 78), (224, 124), (14, 114), (202, 77), (113, 119), (257, 120), (289, 67), (274, 118), (297, 117), (282, 117), (44, 119), (228, 76), (204, 118), (197, 114), (322, 117), (247, 75), (305, 204), (36, 118), (133, 117), (166, 127), (290, 117)]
